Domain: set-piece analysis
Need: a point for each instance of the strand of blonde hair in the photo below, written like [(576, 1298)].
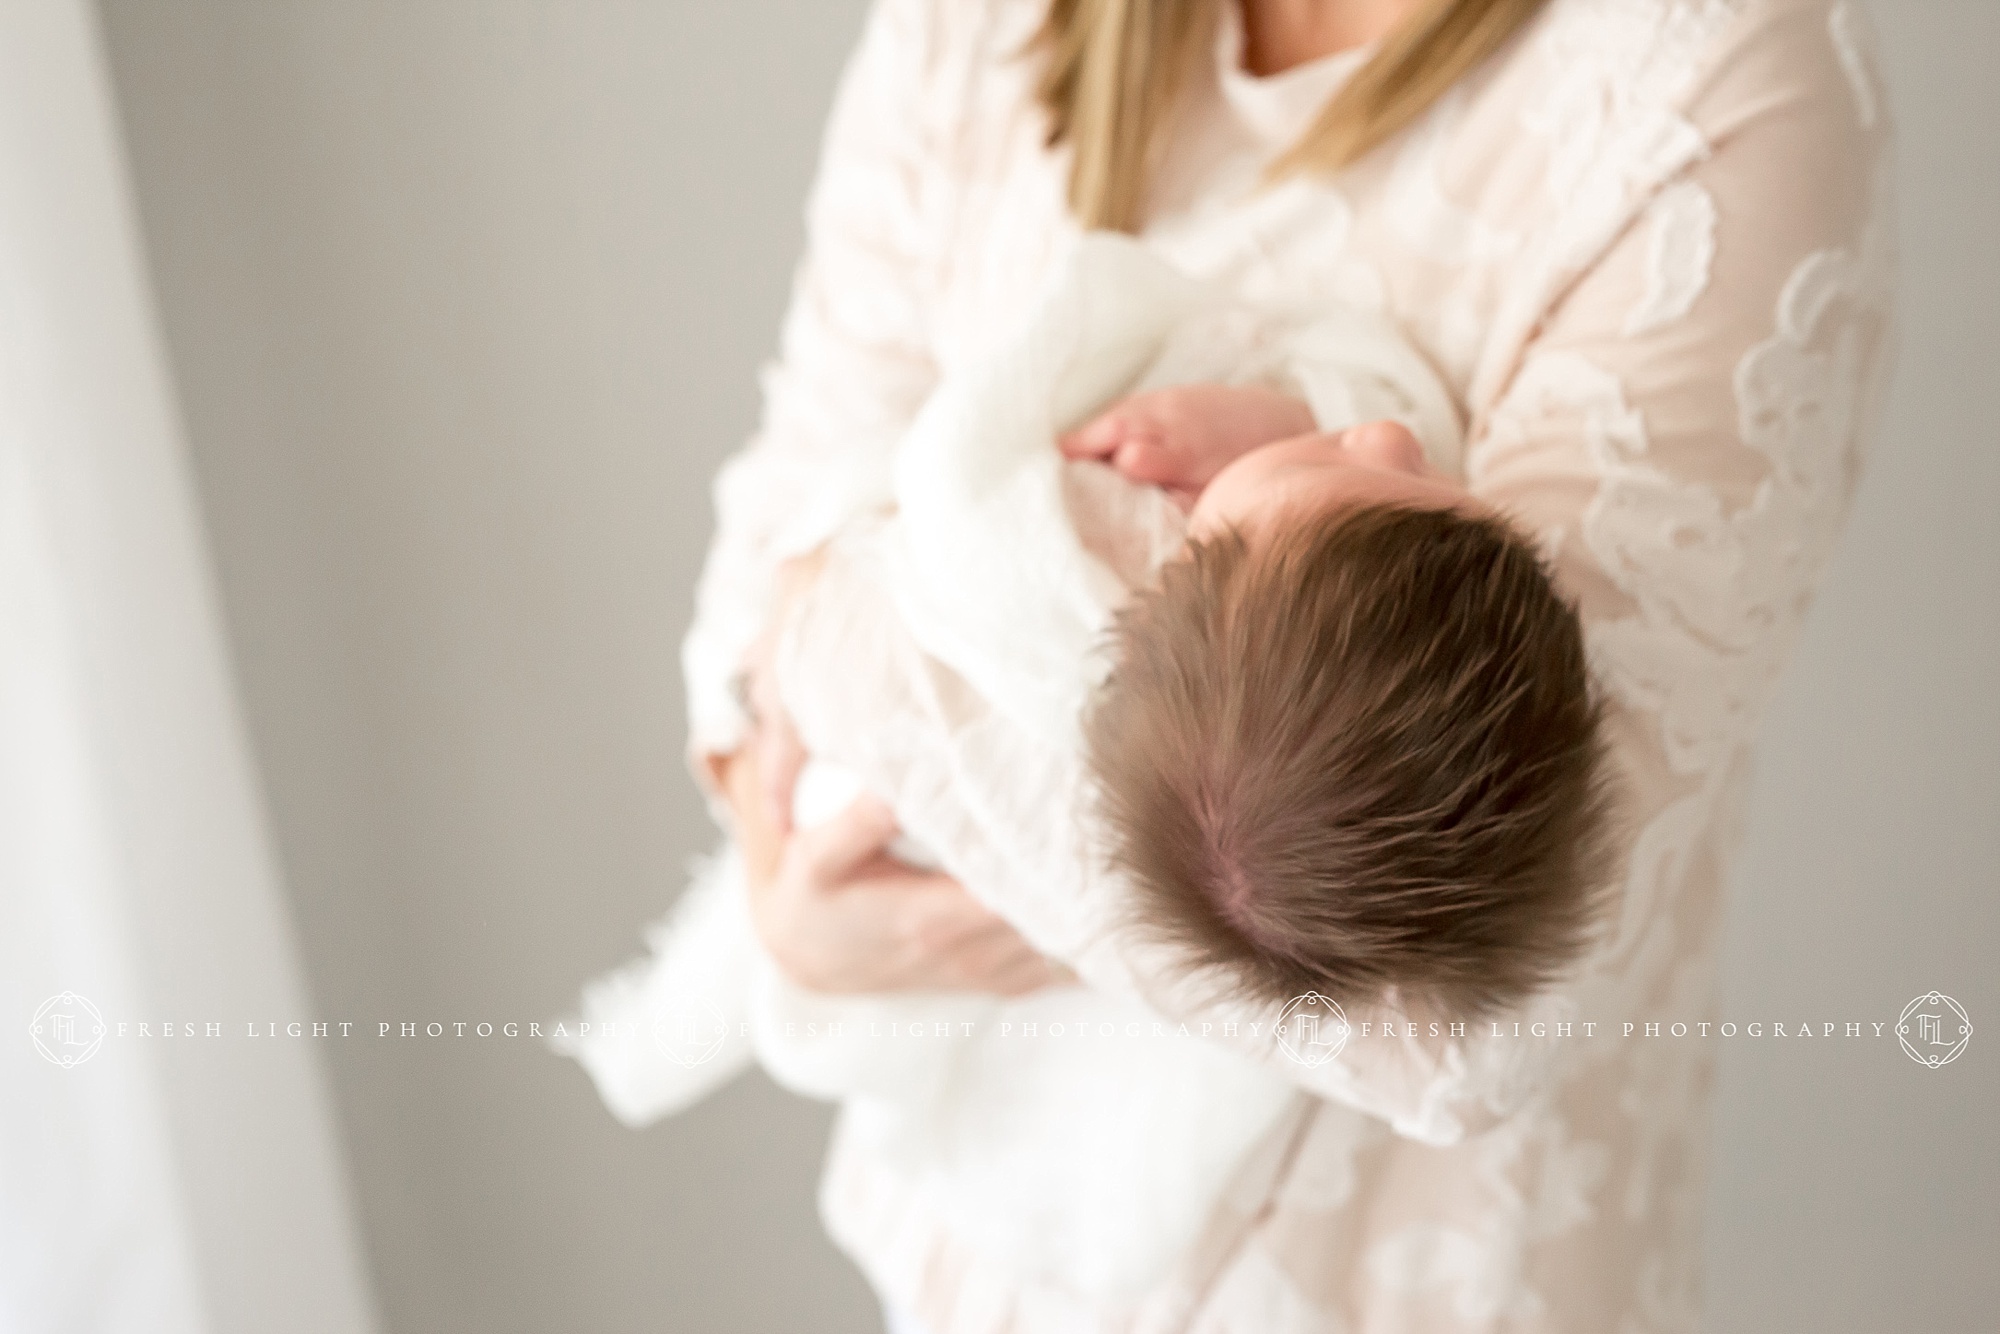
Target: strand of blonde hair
[(1113, 70)]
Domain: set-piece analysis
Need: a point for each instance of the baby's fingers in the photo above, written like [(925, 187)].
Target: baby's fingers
[(1005, 965), (1028, 972), (780, 758), (1098, 438), (939, 915), (1147, 457)]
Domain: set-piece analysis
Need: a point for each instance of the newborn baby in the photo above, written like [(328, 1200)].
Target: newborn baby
[(1342, 741), (1343, 737), (1348, 742)]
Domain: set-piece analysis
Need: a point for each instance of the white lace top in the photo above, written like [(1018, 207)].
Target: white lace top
[(1647, 245)]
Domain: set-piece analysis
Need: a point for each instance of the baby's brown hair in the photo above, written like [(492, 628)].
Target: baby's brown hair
[(1360, 751)]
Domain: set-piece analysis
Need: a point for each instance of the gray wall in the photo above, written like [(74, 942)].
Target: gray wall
[(1859, 1191), (466, 298)]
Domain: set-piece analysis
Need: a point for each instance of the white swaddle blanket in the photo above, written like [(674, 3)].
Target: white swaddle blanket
[(1092, 1165), (995, 579)]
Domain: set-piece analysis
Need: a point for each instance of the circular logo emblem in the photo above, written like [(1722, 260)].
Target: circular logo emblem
[(67, 1029), (1934, 1029), (1312, 1029), (689, 1032)]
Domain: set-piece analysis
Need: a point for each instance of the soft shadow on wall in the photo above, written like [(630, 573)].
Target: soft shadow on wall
[(1851, 1189), (466, 300)]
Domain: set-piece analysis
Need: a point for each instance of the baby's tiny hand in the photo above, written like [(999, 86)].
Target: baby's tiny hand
[(1179, 438)]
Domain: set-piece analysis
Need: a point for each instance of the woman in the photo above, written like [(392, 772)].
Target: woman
[(1645, 243)]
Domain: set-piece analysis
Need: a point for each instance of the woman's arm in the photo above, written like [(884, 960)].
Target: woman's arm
[(854, 359), (1684, 435), (854, 362)]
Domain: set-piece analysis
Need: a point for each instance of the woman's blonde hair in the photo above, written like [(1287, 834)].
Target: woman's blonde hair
[(1114, 67)]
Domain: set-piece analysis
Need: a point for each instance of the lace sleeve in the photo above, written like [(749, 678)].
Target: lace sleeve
[(854, 360), (1683, 436)]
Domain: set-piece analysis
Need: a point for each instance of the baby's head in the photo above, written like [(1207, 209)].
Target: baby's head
[(1350, 740)]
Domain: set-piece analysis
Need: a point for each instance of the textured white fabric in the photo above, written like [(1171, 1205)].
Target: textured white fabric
[(897, 1321), (991, 575), (701, 958)]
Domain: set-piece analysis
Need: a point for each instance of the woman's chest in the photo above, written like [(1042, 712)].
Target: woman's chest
[(1292, 246)]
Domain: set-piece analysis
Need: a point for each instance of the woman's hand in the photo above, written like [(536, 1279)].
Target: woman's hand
[(840, 915)]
